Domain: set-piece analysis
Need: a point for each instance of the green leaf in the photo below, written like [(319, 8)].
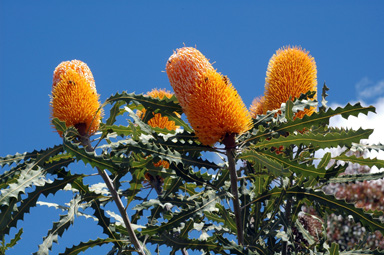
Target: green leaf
[(288, 110), (324, 160), (105, 223), (119, 130), (39, 158), (172, 156), (207, 204), (334, 250), (361, 161), (229, 218), (357, 177), (164, 105), (307, 236), (59, 125), (9, 217), (343, 138), (296, 167), (322, 118), (32, 175), (59, 227), (90, 157), (272, 166), (323, 98), (12, 242), (83, 246)]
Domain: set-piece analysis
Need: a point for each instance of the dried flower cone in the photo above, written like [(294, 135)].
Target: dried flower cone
[(291, 72), (74, 98), (210, 102)]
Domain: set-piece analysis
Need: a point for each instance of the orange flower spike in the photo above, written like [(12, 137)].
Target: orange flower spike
[(75, 100), (210, 102), (76, 65), (185, 68), (291, 72), (257, 107), (159, 121), (216, 109)]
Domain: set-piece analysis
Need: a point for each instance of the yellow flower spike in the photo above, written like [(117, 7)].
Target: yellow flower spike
[(74, 99), (212, 105), (185, 68), (159, 121), (76, 65), (257, 107), (291, 72)]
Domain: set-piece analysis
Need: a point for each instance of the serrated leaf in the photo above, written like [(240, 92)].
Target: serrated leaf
[(59, 125), (9, 218), (343, 138), (288, 110), (89, 157), (39, 158), (172, 156), (119, 130), (323, 98), (357, 177), (12, 242), (105, 222), (322, 118), (272, 166), (59, 227), (30, 176), (83, 246), (361, 161), (208, 204), (324, 160), (164, 105), (299, 169), (307, 236), (334, 250)]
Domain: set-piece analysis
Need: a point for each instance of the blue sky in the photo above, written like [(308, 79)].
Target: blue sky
[(127, 43)]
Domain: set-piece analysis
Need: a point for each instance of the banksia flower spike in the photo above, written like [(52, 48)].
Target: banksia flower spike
[(257, 107), (291, 72), (158, 120), (212, 105), (74, 98)]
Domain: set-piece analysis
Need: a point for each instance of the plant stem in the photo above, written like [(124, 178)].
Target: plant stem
[(132, 236), (288, 207), (229, 142)]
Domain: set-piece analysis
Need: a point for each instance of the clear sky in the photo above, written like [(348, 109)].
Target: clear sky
[(127, 43)]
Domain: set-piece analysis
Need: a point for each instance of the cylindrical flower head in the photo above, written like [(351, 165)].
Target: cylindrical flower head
[(159, 121), (257, 107), (74, 98), (291, 72), (76, 65), (185, 68), (210, 102)]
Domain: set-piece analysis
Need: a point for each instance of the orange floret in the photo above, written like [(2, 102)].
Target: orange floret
[(75, 101), (291, 72)]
